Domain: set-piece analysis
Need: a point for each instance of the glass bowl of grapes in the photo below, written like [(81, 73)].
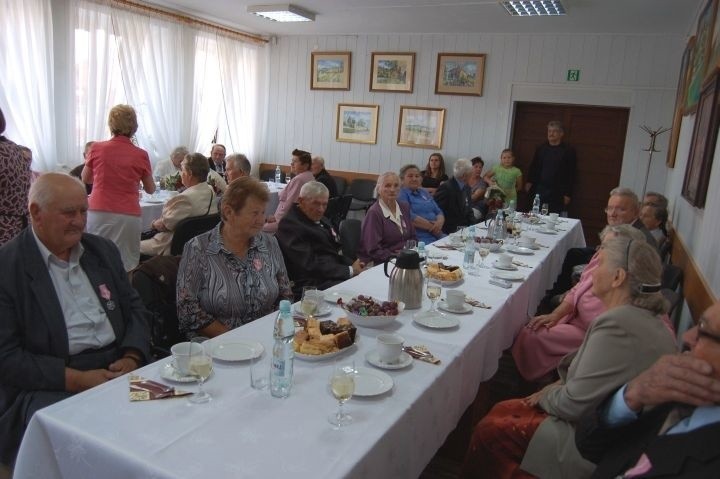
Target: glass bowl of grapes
[(368, 312)]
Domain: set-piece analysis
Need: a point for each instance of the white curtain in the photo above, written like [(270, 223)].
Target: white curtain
[(207, 94), (27, 78)]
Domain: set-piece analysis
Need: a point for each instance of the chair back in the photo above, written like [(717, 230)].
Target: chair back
[(350, 237), (155, 280), (675, 299), (337, 209), (671, 277), (189, 228), (340, 183), (363, 193)]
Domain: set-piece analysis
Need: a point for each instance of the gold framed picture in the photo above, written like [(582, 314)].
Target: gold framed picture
[(330, 70), (460, 74), (392, 72), (421, 127), (357, 123)]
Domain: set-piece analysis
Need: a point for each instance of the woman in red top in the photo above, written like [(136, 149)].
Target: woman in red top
[(115, 168)]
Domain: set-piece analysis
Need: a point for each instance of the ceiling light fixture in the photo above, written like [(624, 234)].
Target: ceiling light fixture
[(528, 8), (282, 13)]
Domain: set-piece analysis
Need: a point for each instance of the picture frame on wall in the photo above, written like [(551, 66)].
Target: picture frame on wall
[(679, 103), (702, 146), (357, 123), (700, 56), (392, 71), (330, 70), (460, 74), (421, 127)]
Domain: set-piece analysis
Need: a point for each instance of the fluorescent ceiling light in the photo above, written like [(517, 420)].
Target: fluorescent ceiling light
[(527, 8), (282, 13)]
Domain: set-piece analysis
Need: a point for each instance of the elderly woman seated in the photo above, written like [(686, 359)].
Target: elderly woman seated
[(197, 199), (425, 214), (235, 273), (536, 435), (387, 224), (300, 167), (546, 338)]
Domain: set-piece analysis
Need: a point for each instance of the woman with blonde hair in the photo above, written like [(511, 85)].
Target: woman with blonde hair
[(115, 168)]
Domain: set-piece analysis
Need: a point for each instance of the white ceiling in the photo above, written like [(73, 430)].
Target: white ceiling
[(450, 16)]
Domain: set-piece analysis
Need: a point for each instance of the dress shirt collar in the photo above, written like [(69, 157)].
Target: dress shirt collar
[(395, 218), (47, 255)]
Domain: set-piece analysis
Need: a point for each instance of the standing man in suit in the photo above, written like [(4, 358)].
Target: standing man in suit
[(69, 318), (552, 171), (453, 197), (666, 421)]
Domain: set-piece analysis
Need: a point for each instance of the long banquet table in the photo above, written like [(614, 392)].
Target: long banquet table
[(244, 433)]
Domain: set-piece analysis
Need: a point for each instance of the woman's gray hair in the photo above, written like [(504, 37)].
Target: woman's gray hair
[(405, 169), (622, 231), (462, 168), (381, 178), (313, 189), (644, 271)]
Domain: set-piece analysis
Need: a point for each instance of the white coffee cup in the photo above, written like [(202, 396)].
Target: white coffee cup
[(504, 260), (553, 217), (181, 355), (527, 241), (389, 347), (455, 299)]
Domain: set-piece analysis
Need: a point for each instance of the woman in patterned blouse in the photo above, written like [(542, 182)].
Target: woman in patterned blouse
[(234, 273)]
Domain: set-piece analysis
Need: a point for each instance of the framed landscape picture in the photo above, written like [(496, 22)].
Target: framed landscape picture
[(357, 123), (392, 72), (330, 70), (421, 127), (679, 103), (460, 74), (702, 146), (700, 56)]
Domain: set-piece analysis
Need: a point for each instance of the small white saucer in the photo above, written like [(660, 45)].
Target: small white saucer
[(373, 358), (435, 320), (171, 374), (512, 267), (464, 309)]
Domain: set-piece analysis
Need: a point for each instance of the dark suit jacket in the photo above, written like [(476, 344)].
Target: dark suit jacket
[(648, 236), (311, 251), (615, 450), (326, 179), (34, 346), (552, 174), (455, 203)]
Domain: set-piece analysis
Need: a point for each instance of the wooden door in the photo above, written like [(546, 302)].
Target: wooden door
[(598, 135)]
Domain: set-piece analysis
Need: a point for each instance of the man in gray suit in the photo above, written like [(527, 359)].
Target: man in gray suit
[(69, 318)]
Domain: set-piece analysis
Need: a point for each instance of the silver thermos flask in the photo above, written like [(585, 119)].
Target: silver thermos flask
[(406, 279)]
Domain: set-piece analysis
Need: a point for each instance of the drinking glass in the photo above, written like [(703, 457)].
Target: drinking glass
[(200, 367), (342, 385), (462, 232), (309, 302), (516, 230), (545, 209), (483, 252), (433, 291)]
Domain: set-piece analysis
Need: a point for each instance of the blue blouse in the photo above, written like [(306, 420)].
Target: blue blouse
[(423, 205)]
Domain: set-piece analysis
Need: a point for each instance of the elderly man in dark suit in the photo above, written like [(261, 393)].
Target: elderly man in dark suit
[(69, 318), (310, 245), (453, 197), (666, 421)]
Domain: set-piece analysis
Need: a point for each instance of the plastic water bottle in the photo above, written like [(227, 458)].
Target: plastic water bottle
[(421, 251), (469, 256), (281, 375), (498, 232), (536, 205), (278, 174)]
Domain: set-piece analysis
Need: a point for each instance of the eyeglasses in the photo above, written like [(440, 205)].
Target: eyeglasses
[(704, 332)]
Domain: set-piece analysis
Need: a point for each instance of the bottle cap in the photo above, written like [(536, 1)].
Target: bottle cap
[(284, 306), (421, 244)]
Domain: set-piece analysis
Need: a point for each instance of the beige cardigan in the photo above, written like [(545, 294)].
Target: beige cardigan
[(619, 345)]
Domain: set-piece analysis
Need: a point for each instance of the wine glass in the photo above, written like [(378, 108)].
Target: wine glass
[(516, 230), (342, 385), (545, 209), (200, 367), (433, 291), (309, 301), (483, 252)]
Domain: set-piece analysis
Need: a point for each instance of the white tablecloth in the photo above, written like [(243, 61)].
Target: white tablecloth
[(245, 433)]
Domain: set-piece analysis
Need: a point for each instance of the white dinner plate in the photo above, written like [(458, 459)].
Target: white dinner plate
[(171, 374), (435, 320), (323, 357), (153, 201), (508, 275), (373, 357), (547, 232), (239, 350), (512, 267), (520, 250), (333, 296), (464, 309), (323, 310), (371, 382)]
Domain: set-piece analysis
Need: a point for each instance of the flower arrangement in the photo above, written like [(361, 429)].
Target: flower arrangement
[(172, 182), (494, 198)]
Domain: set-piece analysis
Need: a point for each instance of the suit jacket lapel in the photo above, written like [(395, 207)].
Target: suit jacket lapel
[(669, 453)]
